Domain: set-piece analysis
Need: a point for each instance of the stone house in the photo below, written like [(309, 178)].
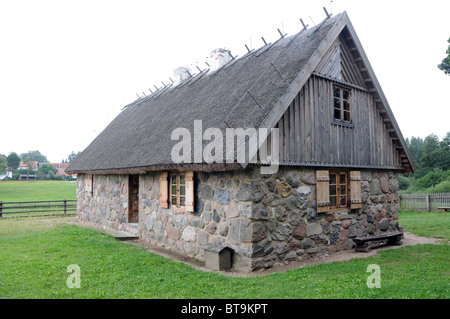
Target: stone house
[(328, 128)]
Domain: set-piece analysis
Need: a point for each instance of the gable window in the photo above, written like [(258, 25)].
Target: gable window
[(341, 104), (178, 190)]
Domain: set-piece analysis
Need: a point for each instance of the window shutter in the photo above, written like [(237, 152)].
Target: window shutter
[(189, 191), (323, 191), (164, 190), (355, 190)]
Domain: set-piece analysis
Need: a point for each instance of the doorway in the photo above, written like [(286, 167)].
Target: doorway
[(133, 199)]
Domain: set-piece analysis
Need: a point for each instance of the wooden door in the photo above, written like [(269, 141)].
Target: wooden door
[(133, 199)]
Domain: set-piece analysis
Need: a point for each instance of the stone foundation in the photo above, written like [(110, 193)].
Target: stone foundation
[(266, 220)]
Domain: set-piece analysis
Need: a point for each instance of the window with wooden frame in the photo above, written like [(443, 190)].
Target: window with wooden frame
[(335, 190), (341, 104), (177, 190), (338, 189)]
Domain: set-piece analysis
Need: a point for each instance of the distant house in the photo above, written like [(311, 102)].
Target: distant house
[(61, 170), (24, 165), (339, 146), (9, 172), (27, 177)]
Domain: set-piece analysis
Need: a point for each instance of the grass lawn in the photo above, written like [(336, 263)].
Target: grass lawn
[(428, 224), (33, 264), (18, 191)]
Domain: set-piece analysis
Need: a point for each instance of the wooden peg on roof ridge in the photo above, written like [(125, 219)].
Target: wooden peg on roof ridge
[(326, 12), (282, 35), (305, 26)]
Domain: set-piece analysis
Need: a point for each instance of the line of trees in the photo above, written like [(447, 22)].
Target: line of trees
[(45, 171), (432, 157)]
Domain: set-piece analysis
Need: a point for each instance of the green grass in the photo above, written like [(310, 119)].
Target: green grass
[(428, 224), (33, 264), (19, 191), (11, 227)]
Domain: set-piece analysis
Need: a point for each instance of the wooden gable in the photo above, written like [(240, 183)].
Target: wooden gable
[(338, 63), (309, 134)]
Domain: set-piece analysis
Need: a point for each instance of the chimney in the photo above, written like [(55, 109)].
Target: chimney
[(218, 58), (181, 74)]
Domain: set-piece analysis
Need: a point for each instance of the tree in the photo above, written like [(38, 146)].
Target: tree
[(415, 146), (445, 65), (13, 160), (430, 155), (72, 157), (33, 156), (47, 171), (3, 165), (444, 153)]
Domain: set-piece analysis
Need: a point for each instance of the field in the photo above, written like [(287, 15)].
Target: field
[(37, 190), (34, 261), (35, 254)]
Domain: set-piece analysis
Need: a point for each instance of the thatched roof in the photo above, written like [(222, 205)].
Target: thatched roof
[(249, 91)]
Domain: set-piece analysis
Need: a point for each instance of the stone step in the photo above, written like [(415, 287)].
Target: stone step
[(121, 235), (131, 228)]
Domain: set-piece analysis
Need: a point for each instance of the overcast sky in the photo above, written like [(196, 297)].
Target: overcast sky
[(68, 67)]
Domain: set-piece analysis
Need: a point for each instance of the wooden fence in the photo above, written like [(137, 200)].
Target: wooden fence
[(424, 202), (38, 208)]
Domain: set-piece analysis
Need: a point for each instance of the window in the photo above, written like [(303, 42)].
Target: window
[(341, 104), (178, 190), (338, 189)]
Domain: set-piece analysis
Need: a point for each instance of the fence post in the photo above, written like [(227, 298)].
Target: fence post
[(65, 207), (427, 199), (1, 206)]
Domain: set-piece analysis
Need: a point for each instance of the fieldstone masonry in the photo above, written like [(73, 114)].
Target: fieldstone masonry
[(267, 220)]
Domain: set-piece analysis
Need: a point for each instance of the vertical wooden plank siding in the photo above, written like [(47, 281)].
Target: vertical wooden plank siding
[(308, 134), (297, 127)]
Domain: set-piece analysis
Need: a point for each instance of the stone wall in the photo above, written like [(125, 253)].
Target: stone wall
[(107, 206), (267, 220)]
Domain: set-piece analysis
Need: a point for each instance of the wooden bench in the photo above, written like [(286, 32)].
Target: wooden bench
[(444, 209), (393, 238)]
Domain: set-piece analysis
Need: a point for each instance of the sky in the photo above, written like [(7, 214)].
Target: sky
[(67, 68)]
